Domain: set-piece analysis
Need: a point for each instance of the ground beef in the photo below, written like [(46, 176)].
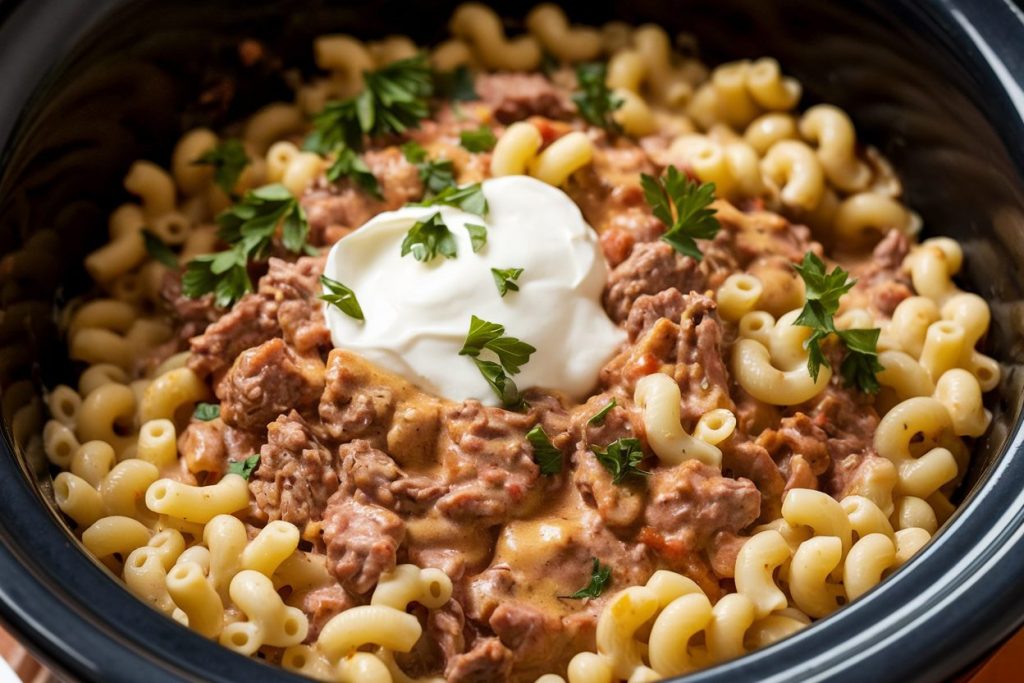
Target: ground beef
[(652, 267), (362, 541), (323, 604), (700, 361), (202, 446), (535, 637), (743, 458), (691, 502), (379, 480), (488, 661), (284, 305), (516, 96), (192, 316), (267, 381), (650, 308), (334, 210), (354, 405), (864, 474), (881, 283), (297, 474), (849, 419), (488, 463), (619, 505), (800, 448)]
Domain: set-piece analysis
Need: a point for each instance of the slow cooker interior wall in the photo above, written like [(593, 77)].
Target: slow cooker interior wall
[(135, 82)]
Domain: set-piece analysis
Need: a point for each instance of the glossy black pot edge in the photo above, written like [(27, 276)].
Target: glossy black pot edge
[(981, 543)]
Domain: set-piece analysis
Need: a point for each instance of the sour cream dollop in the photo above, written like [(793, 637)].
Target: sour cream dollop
[(418, 314)]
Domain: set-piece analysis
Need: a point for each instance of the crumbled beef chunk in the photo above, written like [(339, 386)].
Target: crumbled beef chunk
[(334, 211), (297, 474), (652, 267), (362, 541), (353, 405), (284, 304), (848, 418), (620, 505), (192, 315), (267, 381), (742, 458), (800, 448), (693, 502), (700, 363), (202, 446), (488, 661), (650, 308), (323, 604), (376, 476), (489, 463), (516, 96)]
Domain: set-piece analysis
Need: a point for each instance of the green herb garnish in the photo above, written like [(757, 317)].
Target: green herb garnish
[(341, 297), (157, 249), (547, 457), (348, 164), (600, 576), (428, 238), (244, 468), (598, 417), (823, 291), (248, 227), (504, 279), (394, 99), (206, 411), (477, 236), (456, 85), (437, 175), (595, 102), (622, 458), (511, 353), (480, 140), (228, 159), (469, 198), (682, 205)]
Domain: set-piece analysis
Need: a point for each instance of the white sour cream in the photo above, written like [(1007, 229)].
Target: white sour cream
[(418, 314)]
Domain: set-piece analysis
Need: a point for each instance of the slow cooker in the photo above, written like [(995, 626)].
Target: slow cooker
[(90, 85)]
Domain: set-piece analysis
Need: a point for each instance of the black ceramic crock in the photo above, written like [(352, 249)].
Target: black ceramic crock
[(86, 86)]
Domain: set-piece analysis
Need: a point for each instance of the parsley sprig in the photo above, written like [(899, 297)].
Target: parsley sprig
[(428, 238), (348, 164), (480, 140), (600, 577), (511, 353), (437, 175), (505, 279), (622, 458), (228, 159), (598, 417), (595, 102), (547, 457), (683, 206), (248, 226), (823, 291), (244, 468), (394, 99), (477, 236), (469, 198), (342, 298), (206, 411)]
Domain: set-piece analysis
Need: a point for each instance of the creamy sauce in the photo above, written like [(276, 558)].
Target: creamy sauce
[(418, 314)]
